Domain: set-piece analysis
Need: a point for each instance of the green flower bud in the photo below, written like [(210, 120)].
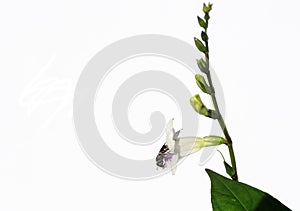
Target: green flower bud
[(201, 47), (204, 36), (202, 22), (202, 65), (200, 108), (207, 8), (202, 84)]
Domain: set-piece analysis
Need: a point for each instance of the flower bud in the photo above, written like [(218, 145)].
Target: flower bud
[(202, 84)]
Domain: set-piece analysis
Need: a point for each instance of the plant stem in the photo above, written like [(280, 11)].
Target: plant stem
[(220, 119)]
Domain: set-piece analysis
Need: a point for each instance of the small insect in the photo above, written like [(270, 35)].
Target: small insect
[(162, 156), (165, 155)]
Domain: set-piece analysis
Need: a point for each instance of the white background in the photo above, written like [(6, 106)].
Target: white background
[(254, 50)]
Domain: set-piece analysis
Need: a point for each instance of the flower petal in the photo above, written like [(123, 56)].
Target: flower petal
[(189, 145), (169, 135), (173, 163)]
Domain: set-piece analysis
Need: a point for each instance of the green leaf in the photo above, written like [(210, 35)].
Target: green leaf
[(229, 170), (202, 65), (202, 84), (228, 194), (200, 108), (200, 45), (202, 22), (204, 36)]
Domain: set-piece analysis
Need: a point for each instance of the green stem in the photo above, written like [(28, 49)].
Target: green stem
[(220, 119)]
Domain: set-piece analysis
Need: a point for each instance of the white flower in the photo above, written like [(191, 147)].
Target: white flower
[(176, 148)]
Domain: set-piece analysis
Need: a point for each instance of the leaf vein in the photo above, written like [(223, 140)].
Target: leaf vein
[(233, 194)]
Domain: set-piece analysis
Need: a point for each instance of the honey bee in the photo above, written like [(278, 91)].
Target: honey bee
[(162, 155)]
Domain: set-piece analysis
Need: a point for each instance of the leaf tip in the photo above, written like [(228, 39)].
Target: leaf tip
[(208, 171)]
